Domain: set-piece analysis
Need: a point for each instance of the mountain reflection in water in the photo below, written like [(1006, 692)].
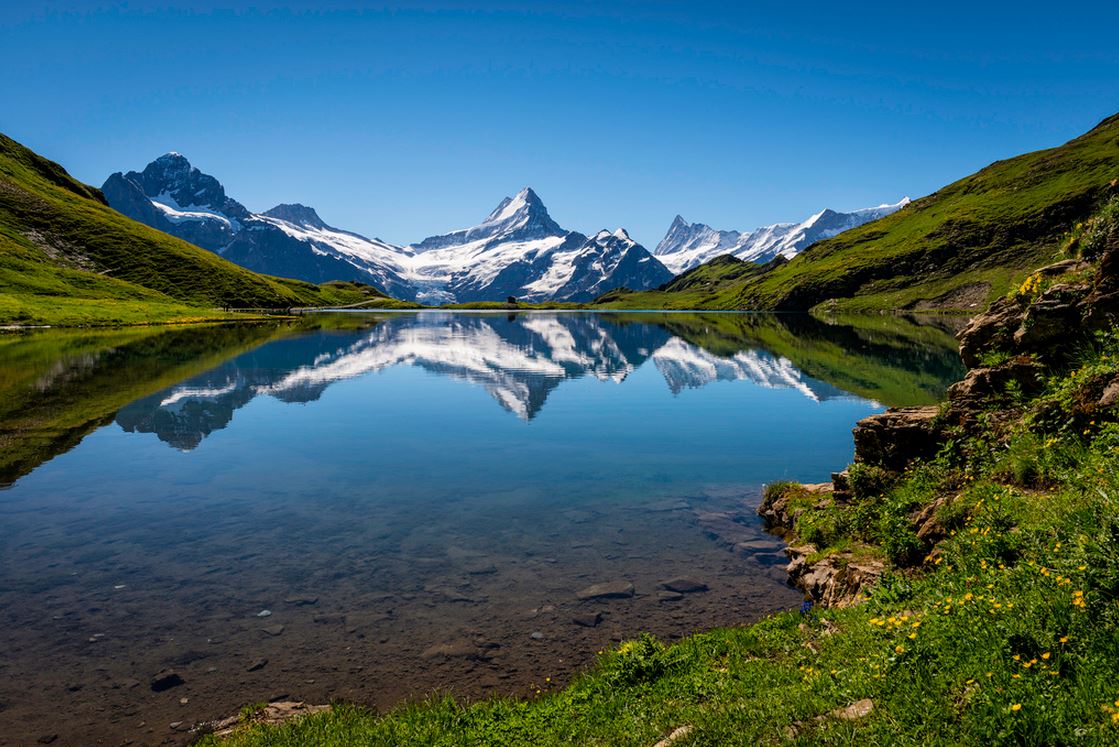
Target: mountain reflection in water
[(69, 383)]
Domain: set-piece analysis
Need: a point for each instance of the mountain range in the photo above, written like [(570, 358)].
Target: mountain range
[(687, 245), (518, 250)]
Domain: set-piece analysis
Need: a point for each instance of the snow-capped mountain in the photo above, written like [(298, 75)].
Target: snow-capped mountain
[(689, 244), (518, 250), (288, 240)]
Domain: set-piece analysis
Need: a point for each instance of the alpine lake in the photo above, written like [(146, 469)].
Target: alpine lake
[(378, 507)]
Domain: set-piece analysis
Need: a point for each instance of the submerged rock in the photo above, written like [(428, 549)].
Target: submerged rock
[(273, 630), (301, 601), (683, 585), (456, 650), (606, 590), (165, 680), (587, 621)]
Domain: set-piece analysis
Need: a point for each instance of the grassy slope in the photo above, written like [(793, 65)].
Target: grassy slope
[(987, 231), (67, 258)]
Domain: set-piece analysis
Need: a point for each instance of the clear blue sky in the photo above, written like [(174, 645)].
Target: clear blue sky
[(400, 121)]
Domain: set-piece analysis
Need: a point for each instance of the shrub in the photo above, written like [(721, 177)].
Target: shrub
[(1101, 230), (867, 480)]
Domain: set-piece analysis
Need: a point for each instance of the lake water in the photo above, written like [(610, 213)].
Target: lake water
[(374, 507)]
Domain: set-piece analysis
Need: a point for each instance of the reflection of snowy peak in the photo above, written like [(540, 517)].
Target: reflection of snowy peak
[(518, 360), (686, 245), (685, 366), (517, 363)]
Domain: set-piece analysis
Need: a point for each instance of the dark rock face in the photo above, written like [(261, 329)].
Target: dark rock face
[(171, 174), (1040, 327), (893, 438), (295, 213), (172, 181), (176, 198)]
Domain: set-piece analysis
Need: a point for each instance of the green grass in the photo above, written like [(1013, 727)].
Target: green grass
[(67, 258), (986, 232), (1007, 632)]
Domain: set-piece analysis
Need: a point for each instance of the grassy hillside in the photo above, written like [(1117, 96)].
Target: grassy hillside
[(957, 249), (67, 258)]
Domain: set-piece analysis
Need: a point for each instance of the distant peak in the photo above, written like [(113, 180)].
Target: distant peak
[(525, 203), (172, 156), (296, 213), (678, 222)]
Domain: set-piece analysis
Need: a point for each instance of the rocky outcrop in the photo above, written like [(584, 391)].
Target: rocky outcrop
[(834, 580), (893, 438), (1068, 298), (986, 386), (1008, 349)]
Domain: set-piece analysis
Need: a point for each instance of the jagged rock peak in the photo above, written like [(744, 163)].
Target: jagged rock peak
[(296, 213), (525, 203)]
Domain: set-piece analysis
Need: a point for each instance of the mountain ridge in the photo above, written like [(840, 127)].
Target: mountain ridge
[(957, 250), (517, 250), (687, 245)]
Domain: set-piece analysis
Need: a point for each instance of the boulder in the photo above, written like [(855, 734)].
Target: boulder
[(1110, 396), (833, 581), (982, 387), (857, 710)]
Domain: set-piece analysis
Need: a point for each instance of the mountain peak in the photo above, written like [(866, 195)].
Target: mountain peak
[(296, 213), (524, 205), (172, 160)]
